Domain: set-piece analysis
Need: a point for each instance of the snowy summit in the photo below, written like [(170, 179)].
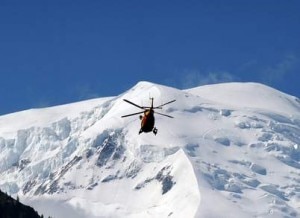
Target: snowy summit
[(232, 150)]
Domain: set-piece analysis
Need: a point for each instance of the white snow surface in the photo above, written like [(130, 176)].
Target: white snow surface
[(232, 150)]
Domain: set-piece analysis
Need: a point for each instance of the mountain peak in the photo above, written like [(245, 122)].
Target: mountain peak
[(249, 95), (145, 84), (232, 144)]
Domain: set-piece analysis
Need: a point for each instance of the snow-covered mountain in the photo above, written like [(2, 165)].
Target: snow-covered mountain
[(233, 150)]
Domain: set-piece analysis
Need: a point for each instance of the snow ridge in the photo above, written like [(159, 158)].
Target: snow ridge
[(235, 145)]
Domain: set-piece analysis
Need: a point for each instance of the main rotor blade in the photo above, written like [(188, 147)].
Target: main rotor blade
[(132, 114), (134, 104), (164, 115), (164, 104)]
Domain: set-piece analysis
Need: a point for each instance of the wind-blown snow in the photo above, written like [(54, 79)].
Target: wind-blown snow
[(233, 150)]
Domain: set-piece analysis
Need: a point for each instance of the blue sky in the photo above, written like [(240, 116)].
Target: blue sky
[(56, 52)]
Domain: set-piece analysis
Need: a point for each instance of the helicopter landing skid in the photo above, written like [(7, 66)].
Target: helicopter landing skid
[(154, 131)]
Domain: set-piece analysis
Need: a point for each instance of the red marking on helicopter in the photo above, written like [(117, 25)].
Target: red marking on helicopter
[(148, 120)]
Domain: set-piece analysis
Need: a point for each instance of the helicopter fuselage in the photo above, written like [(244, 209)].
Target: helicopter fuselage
[(148, 121)]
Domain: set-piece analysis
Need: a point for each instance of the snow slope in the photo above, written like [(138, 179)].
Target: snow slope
[(233, 149)]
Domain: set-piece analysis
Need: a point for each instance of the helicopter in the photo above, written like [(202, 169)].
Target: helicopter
[(148, 120)]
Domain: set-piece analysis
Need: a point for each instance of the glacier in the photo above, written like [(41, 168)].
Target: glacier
[(232, 150)]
